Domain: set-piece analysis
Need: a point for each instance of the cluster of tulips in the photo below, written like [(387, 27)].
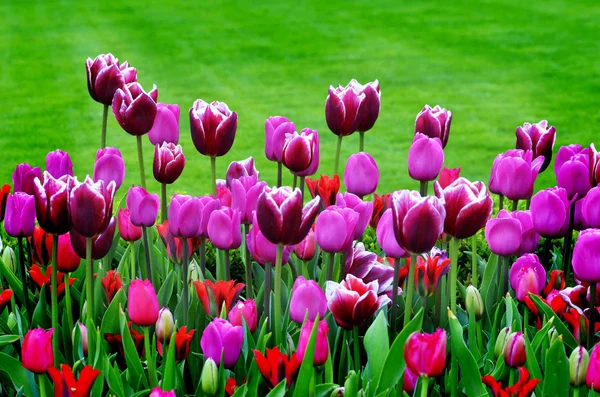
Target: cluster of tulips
[(344, 293)]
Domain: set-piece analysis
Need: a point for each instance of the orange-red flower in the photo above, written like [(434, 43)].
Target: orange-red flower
[(183, 339), (5, 298), (41, 243), (557, 282), (174, 244), (42, 279), (116, 341), (66, 385), (325, 187), (428, 273), (523, 388), (219, 293), (4, 192), (380, 204), (277, 366), (111, 283)]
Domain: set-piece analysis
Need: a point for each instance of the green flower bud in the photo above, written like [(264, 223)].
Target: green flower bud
[(9, 259), (164, 325), (578, 363), (500, 341), (474, 301), (210, 378)]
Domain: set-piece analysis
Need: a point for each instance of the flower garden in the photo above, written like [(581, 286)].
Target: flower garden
[(322, 288)]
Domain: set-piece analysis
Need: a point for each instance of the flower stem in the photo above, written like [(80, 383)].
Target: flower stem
[(337, 154), (267, 292), (213, 174), (42, 380), (423, 188), (68, 304), (23, 274), (295, 182), (356, 348), (424, 386), (302, 186), (453, 272), (247, 265), (546, 252), (54, 293), (330, 266), (163, 202), (568, 239), (277, 316), (474, 260), (410, 289), (361, 142), (202, 256), (147, 253), (184, 279), (592, 328), (89, 280), (141, 161), (132, 260), (394, 311), (149, 359), (279, 173), (515, 205), (227, 266), (104, 119), (500, 202)]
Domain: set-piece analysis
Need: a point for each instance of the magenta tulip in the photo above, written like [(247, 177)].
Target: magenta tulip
[(537, 138), (276, 128), (594, 165), (361, 175), (514, 173), (305, 250), (224, 228), (527, 275), (244, 196), (166, 125), (343, 108), (550, 209), (511, 233), (592, 375), (434, 122), (142, 303), (143, 206), (127, 230), (245, 310), (222, 338), (109, 166), (51, 202), (335, 229), (425, 354), (36, 351), (448, 175), (368, 267), (134, 109), (19, 216), (184, 219), (224, 193), (364, 209), (168, 162), (24, 176), (101, 244), (241, 169), (586, 256), (90, 206), (425, 158), (572, 170), (58, 163), (514, 350), (208, 204), (213, 127), (301, 152), (386, 237), (261, 249), (369, 112), (590, 208), (105, 75), (307, 299), (321, 343), (158, 392)]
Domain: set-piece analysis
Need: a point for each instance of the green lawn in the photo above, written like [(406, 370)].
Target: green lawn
[(495, 64)]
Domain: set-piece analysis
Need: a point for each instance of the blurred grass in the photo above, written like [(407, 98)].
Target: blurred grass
[(495, 64)]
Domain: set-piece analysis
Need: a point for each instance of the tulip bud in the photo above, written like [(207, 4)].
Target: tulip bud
[(306, 249), (434, 122), (143, 206), (210, 377), (527, 275), (425, 353), (166, 124), (514, 350), (12, 320), (36, 351), (301, 152), (501, 341), (553, 334), (572, 170), (592, 375), (134, 109), (247, 311), (425, 158), (168, 162), (307, 299), (23, 178), (474, 301), (213, 126), (142, 303), (20, 215), (343, 108), (224, 228), (578, 363), (58, 163), (127, 230), (109, 166), (321, 345), (585, 260), (9, 259), (361, 175), (164, 325), (83, 335)]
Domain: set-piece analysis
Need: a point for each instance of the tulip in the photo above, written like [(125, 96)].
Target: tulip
[(276, 366), (307, 299), (222, 338), (36, 351), (434, 122), (83, 334), (511, 233), (67, 260), (166, 125), (501, 341), (105, 75), (240, 170), (352, 302), (111, 283), (51, 201), (24, 176), (537, 138), (527, 275), (594, 165), (5, 297), (117, 341), (474, 302), (164, 325), (101, 244), (301, 152), (244, 310), (335, 229), (209, 204), (174, 244), (429, 271), (4, 192), (468, 207), (381, 203), (58, 163), (158, 392), (321, 343), (361, 175), (142, 303), (448, 175), (425, 354), (363, 208), (224, 228), (213, 127), (550, 210), (586, 256), (514, 174), (325, 187), (183, 216), (592, 375), (19, 218), (134, 109), (261, 249), (143, 206), (425, 158), (222, 292), (65, 383), (514, 350), (578, 364), (409, 383), (127, 230), (369, 111), (343, 108), (109, 166), (590, 210), (9, 259), (169, 162), (41, 244), (368, 267), (572, 170), (90, 206), (183, 340), (305, 250), (244, 196), (210, 377), (386, 238), (42, 279), (524, 387), (276, 128)]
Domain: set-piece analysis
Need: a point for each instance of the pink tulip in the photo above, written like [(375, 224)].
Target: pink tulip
[(527, 275), (183, 216), (169, 162), (572, 170), (550, 209), (448, 175), (109, 166), (586, 256), (307, 299), (134, 109), (244, 310), (306, 249), (158, 392), (244, 196), (224, 228), (425, 158), (222, 338), (90, 206), (36, 351), (19, 216), (213, 127), (166, 125), (511, 233), (321, 343), (224, 193), (364, 209), (343, 108), (335, 229), (127, 230), (539, 139), (208, 205), (24, 176), (514, 174), (261, 249), (276, 128), (58, 163), (386, 237), (143, 206), (301, 152), (425, 354), (514, 350), (142, 303), (361, 175), (240, 170), (592, 375), (434, 122)]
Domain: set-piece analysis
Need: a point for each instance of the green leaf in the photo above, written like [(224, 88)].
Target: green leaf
[(134, 365), (306, 374), (110, 320), (541, 335), (279, 390), (325, 389), (556, 379), (351, 384), (40, 313), (377, 345), (532, 365), (17, 373), (8, 339), (13, 282), (166, 290), (488, 286), (560, 327), (170, 374)]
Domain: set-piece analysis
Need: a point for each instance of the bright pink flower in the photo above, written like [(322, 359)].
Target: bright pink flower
[(335, 229), (448, 175), (222, 338), (321, 343), (514, 174), (425, 158), (165, 128), (361, 175), (109, 166), (142, 303), (224, 228), (19, 216), (425, 354), (527, 275), (434, 122), (24, 176), (276, 128), (36, 352), (127, 230), (307, 299), (245, 310), (143, 206), (261, 249), (511, 233), (514, 350)]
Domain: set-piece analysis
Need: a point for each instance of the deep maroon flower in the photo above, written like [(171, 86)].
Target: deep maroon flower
[(101, 244), (325, 187), (434, 122), (301, 152), (343, 108), (168, 162), (90, 206), (105, 75), (24, 176), (276, 366), (537, 138), (51, 201), (134, 109), (369, 111), (213, 127), (166, 125), (109, 166), (276, 128)]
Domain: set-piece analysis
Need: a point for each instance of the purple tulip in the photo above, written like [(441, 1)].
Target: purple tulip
[(281, 217), (418, 221), (134, 109), (468, 207), (368, 267), (208, 204), (101, 244), (276, 128), (511, 233), (261, 249), (58, 163), (213, 127), (184, 219), (19, 218), (425, 158), (335, 228), (586, 256), (537, 138), (224, 228), (514, 174), (371, 104), (222, 338), (343, 108), (169, 162), (321, 351), (590, 208), (166, 125), (143, 206), (301, 152), (51, 203), (364, 209), (386, 237), (572, 170), (24, 176), (579, 222), (434, 122), (241, 169), (244, 196), (90, 206), (307, 299), (109, 166), (361, 175), (550, 209), (105, 75), (527, 275)]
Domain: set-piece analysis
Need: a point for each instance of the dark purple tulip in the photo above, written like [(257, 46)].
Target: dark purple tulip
[(434, 122), (364, 209), (105, 75), (208, 204), (371, 104), (301, 152), (169, 162), (51, 202), (213, 127), (143, 206), (281, 217), (166, 124), (101, 244), (109, 166), (527, 275), (386, 237), (184, 216), (418, 221), (590, 208), (276, 127), (511, 233), (368, 267), (241, 169), (90, 206), (134, 109), (244, 196), (335, 228), (24, 176), (537, 138), (572, 170), (342, 109), (425, 158), (261, 249), (58, 163), (224, 228), (468, 207), (586, 256), (361, 175), (19, 217), (594, 165), (514, 174), (550, 210)]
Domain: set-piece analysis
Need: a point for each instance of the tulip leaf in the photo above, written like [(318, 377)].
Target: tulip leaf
[(8, 339), (324, 389), (40, 314), (377, 345), (166, 290), (16, 372), (351, 384), (533, 366), (13, 282), (556, 379), (170, 375), (560, 327), (488, 285), (134, 365), (110, 320), (541, 335), (306, 374), (279, 390)]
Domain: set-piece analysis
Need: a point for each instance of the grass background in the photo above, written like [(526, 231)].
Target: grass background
[(495, 64)]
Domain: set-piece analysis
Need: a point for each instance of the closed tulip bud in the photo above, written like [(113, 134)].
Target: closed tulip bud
[(261, 249), (590, 209), (527, 275), (241, 169), (169, 162), (434, 122), (158, 392), (36, 351), (361, 175), (425, 354), (134, 109), (578, 364), (550, 209), (474, 302), (67, 260), (208, 204), (425, 158), (109, 166), (9, 259), (301, 152), (224, 228), (537, 138), (166, 125), (143, 206), (514, 350), (105, 75), (276, 128), (164, 325), (386, 237), (19, 219), (594, 165), (448, 175), (572, 170), (210, 378), (371, 105), (321, 343), (90, 206), (511, 233), (514, 174), (183, 216), (307, 299), (305, 250), (213, 127), (343, 108), (244, 196), (592, 375), (553, 334), (222, 338), (363, 208), (586, 257), (245, 310), (127, 230), (83, 332), (24, 176), (51, 202), (501, 341), (101, 243), (142, 303), (335, 229), (58, 163)]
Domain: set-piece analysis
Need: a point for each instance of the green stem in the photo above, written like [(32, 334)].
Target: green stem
[(592, 327), (132, 259), (163, 202), (337, 154), (515, 205), (279, 173), (89, 280), (453, 272), (568, 239), (23, 274), (184, 279), (356, 348), (443, 301), (474, 260), (150, 359), (147, 253), (42, 382), (203, 256), (394, 311), (511, 377), (424, 386), (68, 304), (525, 318), (330, 264), (528, 203), (104, 119), (141, 161), (54, 294), (409, 285), (227, 266), (361, 144), (302, 178), (500, 201), (576, 391), (213, 174), (220, 265), (505, 275), (423, 188), (267, 292), (277, 316), (248, 265), (295, 182)]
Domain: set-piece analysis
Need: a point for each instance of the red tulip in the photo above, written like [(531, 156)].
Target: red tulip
[(448, 175), (213, 127), (325, 187), (221, 292), (174, 244), (66, 385), (4, 192), (67, 260), (425, 354), (41, 244), (134, 109), (276, 366), (116, 341), (5, 297), (111, 283), (429, 271), (523, 388), (43, 279), (183, 340), (306, 249), (142, 303), (36, 351), (51, 201), (380, 204)]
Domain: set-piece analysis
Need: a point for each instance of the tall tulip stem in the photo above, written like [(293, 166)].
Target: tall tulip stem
[(424, 386), (104, 119), (474, 260), (394, 312), (132, 260), (68, 304), (546, 252), (592, 328), (267, 292), (356, 348), (279, 173), (42, 379), (247, 264), (423, 188), (409, 285), (184, 279), (515, 205), (213, 174), (147, 253), (330, 265), (227, 266), (150, 359), (203, 256), (337, 154), (277, 315), (23, 274), (295, 182), (302, 186), (361, 142), (568, 239), (453, 272), (89, 280), (163, 202), (141, 162), (500, 202), (54, 293)]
